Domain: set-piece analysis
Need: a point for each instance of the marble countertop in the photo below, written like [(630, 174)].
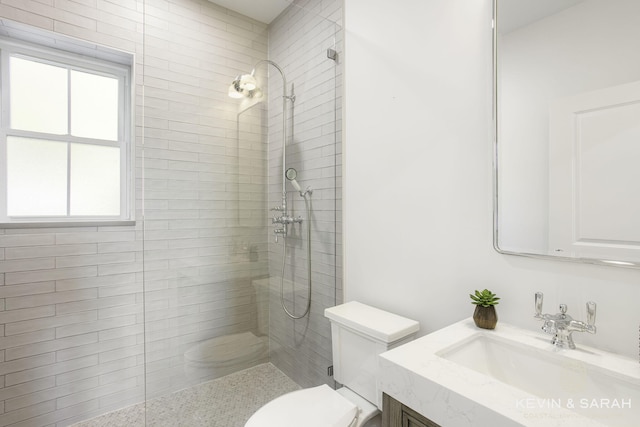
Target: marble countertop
[(453, 395)]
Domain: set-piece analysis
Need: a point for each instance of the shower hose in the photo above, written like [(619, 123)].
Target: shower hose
[(284, 257)]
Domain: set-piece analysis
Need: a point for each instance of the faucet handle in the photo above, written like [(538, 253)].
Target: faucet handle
[(591, 313), (538, 304)]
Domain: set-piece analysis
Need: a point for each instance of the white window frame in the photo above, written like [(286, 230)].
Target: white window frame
[(70, 61)]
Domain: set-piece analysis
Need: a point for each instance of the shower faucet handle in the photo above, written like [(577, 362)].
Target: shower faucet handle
[(278, 208), (280, 231)]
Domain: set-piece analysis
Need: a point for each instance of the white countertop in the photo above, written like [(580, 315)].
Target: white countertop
[(453, 395)]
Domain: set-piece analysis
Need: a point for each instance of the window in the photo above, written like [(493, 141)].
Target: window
[(66, 137)]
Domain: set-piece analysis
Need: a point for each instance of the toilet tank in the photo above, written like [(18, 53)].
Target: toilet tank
[(359, 334)]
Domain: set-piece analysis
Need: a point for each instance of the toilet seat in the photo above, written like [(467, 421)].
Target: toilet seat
[(312, 407)]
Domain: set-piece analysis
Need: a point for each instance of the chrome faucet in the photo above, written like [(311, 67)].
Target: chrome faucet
[(284, 219), (561, 325)]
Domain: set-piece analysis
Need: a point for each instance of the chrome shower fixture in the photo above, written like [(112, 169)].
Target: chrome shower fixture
[(291, 175), (245, 85)]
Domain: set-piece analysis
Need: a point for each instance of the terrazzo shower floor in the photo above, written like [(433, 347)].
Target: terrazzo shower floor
[(224, 402)]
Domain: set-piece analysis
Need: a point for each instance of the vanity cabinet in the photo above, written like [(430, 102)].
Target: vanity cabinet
[(395, 414)]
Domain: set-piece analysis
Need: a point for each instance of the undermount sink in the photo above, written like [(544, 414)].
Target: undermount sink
[(465, 376), (557, 381)]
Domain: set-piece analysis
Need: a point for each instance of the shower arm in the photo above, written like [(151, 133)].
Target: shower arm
[(285, 97)]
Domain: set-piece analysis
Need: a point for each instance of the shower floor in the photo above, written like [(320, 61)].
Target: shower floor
[(224, 402)]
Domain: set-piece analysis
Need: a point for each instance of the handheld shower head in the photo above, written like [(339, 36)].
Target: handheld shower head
[(291, 175)]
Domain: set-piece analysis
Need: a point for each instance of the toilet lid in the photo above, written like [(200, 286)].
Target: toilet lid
[(312, 407)]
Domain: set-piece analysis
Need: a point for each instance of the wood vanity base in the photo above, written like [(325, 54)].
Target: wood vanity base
[(395, 414)]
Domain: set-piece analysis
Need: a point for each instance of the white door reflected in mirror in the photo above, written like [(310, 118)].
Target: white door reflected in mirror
[(568, 128)]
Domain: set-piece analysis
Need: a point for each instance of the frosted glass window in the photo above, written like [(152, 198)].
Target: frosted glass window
[(94, 106), (38, 96), (95, 180), (36, 177), (65, 148)]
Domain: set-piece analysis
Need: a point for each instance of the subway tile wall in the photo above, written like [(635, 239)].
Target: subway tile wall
[(72, 325), (71, 315), (298, 42), (79, 306)]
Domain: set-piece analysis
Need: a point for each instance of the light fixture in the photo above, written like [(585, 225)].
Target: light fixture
[(256, 93), (233, 92), (248, 82), (245, 85)]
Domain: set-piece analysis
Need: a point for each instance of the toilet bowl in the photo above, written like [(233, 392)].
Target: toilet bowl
[(359, 334), (223, 355)]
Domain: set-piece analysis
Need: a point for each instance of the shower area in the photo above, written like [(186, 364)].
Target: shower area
[(234, 103), (231, 105), (213, 301)]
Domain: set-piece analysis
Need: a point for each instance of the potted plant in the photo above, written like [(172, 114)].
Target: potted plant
[(485, 316)]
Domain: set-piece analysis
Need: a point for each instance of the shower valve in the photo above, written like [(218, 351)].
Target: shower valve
[(286, 220)]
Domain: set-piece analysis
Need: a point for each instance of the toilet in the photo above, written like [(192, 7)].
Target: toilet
[(226, 354), (359, 334)]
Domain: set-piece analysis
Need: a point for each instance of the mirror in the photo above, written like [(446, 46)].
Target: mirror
[(567, 113)]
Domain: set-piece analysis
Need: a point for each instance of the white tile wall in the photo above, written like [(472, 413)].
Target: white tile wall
[(298, 41), (72, 322), (53, 316)]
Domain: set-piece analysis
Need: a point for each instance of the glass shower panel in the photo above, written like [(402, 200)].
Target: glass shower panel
[(205, 193), (212, 169), (299, 43)]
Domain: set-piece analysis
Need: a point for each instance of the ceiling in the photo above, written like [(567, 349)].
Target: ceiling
[(260, 10), (513, 14)]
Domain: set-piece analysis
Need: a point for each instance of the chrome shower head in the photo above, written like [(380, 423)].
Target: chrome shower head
[(291, 175)]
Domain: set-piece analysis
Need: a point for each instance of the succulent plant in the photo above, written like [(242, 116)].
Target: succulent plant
[(486, 298)]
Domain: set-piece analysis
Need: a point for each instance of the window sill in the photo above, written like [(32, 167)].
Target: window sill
[(54, 224)]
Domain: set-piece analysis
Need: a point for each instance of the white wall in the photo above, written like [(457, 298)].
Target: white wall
[(418, 182)]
